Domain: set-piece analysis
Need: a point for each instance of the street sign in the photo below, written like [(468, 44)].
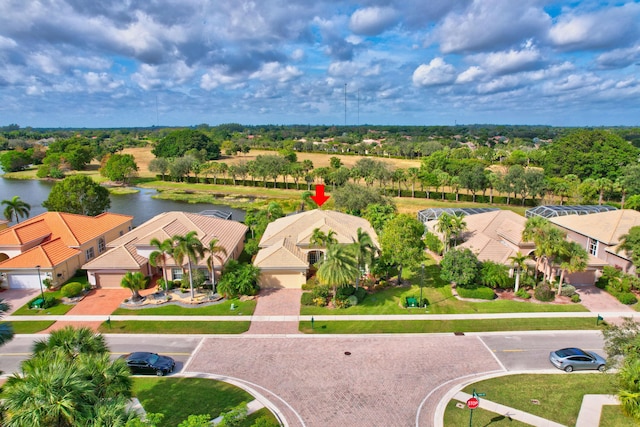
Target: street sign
[(473, 403)]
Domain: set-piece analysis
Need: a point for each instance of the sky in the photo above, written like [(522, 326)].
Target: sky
[(138, 63)]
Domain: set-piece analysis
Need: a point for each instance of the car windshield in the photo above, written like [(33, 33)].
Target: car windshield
[(153, 358)]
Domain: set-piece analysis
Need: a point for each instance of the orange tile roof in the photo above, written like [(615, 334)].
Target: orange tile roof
[(48, 254), (74, 230)]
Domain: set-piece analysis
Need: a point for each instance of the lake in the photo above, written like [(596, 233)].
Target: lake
[(140, 205)]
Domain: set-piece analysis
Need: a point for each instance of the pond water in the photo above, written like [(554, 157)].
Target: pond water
[(141, 205)]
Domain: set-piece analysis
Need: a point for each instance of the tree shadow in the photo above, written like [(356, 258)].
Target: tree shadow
[(497, 419)]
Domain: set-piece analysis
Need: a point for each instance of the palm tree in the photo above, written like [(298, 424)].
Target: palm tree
[(574, 258), (444, 226), (517, 261), (534, 231), (16, 207), (212, 248), (318, 237), (339, 268), (72, 342), (364, 249), (135, 282), (6, 331), (458, 225), (190, 246), (159, 257)]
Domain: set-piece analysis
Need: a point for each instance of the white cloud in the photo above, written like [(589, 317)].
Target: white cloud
[(509, 61), (437, 72), (371, 21), (277, 72), (470, 75), (218, 76), (619, 58)]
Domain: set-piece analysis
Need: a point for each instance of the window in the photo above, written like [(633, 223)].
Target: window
[(314, 257), (101, 245), (89, 253), (176, 273), (593, 247)]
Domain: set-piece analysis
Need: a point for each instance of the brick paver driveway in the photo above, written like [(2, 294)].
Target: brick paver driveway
[(382, 382)]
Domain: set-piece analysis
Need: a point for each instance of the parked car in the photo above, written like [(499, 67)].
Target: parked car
[(143, 362), (574, 359)]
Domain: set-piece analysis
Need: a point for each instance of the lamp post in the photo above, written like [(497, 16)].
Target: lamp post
[(40, 280), (421, 282)]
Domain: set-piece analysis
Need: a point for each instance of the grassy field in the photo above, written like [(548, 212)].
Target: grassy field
[(556, 397), (177, 398)]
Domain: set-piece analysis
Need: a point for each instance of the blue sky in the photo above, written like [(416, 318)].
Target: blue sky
[(117, 63)]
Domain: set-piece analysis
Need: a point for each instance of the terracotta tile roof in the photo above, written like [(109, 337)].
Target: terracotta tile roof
[(299, 227), (74, 230), (283, 254), (48, 254), (606, 227)]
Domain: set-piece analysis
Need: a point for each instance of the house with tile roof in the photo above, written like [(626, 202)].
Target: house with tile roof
[(54, 245), (131, 251), (286, 255), (600, 234)]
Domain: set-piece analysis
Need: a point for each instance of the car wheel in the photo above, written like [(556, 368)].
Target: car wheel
[(568, 368), (159, 372), (601, 368)]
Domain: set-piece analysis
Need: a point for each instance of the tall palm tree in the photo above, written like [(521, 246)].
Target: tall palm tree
[(16, 207), (159, 256), (517, 261), (444, 226), (135, 282), (72, 342), (574, 258), (458, 225), (212, 249), (6, 331), (364, 249), (552, 247), (339, 268), (191, 247), (534, 231)]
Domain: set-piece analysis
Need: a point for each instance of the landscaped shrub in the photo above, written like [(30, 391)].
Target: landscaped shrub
[(307, 298), (522, 293), (567, 290), (353, 300), (601, 283), (433, 243), (624, 297), (321, 291), (320, 302), (361, 294), (71, 289), (477, 293), (575, 298), (544, 293), (345, 291)]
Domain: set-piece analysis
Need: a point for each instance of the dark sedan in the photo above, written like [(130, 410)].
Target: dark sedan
[(574, 359), (143, 362)]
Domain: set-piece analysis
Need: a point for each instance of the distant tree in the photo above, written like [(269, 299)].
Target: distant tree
[(120, 168), (460, 266), (378, 215), (16, 208), (354, 198), (159, 165), (78, 194), (176, 143), (14, 161)]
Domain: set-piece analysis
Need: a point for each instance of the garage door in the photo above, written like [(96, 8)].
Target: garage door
[(106, 281), (293, 280), (23, 281)]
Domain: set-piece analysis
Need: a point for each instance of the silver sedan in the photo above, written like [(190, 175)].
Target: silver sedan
[(574, 359)]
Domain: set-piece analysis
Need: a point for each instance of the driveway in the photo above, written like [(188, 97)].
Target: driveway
[(274, 303), (16, 298), (325, 381), (598, 300)]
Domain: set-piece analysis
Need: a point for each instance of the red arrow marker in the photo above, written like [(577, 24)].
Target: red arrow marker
[(319, 198)]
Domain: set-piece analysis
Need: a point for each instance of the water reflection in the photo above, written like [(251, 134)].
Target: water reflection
[(140, 205)]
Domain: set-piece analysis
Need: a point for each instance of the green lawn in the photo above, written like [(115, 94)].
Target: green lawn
[(56, 310), (440, 326), (556, 397), (441, 301), (612, 416), (177, 398), (241, 308), (30, 327), (196, 327)]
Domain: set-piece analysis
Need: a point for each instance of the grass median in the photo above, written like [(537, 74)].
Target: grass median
[(31, 327), (240, 308), (173, 327), (556, 397), (444, 326)]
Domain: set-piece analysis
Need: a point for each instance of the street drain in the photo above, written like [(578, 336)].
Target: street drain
[(460, 334)]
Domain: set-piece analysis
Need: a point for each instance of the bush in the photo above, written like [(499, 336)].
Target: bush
[(601, 283), (320, 302), (544, 293), (345, 291), (575, 298), (321, 291), (522, 293), (307, 298), (567, 290), (71, 289), (361, 294), (433, 243), (626, 298), (477, 293), (353, 300)]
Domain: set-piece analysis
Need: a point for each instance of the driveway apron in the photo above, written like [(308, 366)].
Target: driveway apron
[(274, 303)]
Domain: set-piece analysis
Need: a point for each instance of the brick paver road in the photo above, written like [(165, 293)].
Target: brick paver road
[(381, 383)]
